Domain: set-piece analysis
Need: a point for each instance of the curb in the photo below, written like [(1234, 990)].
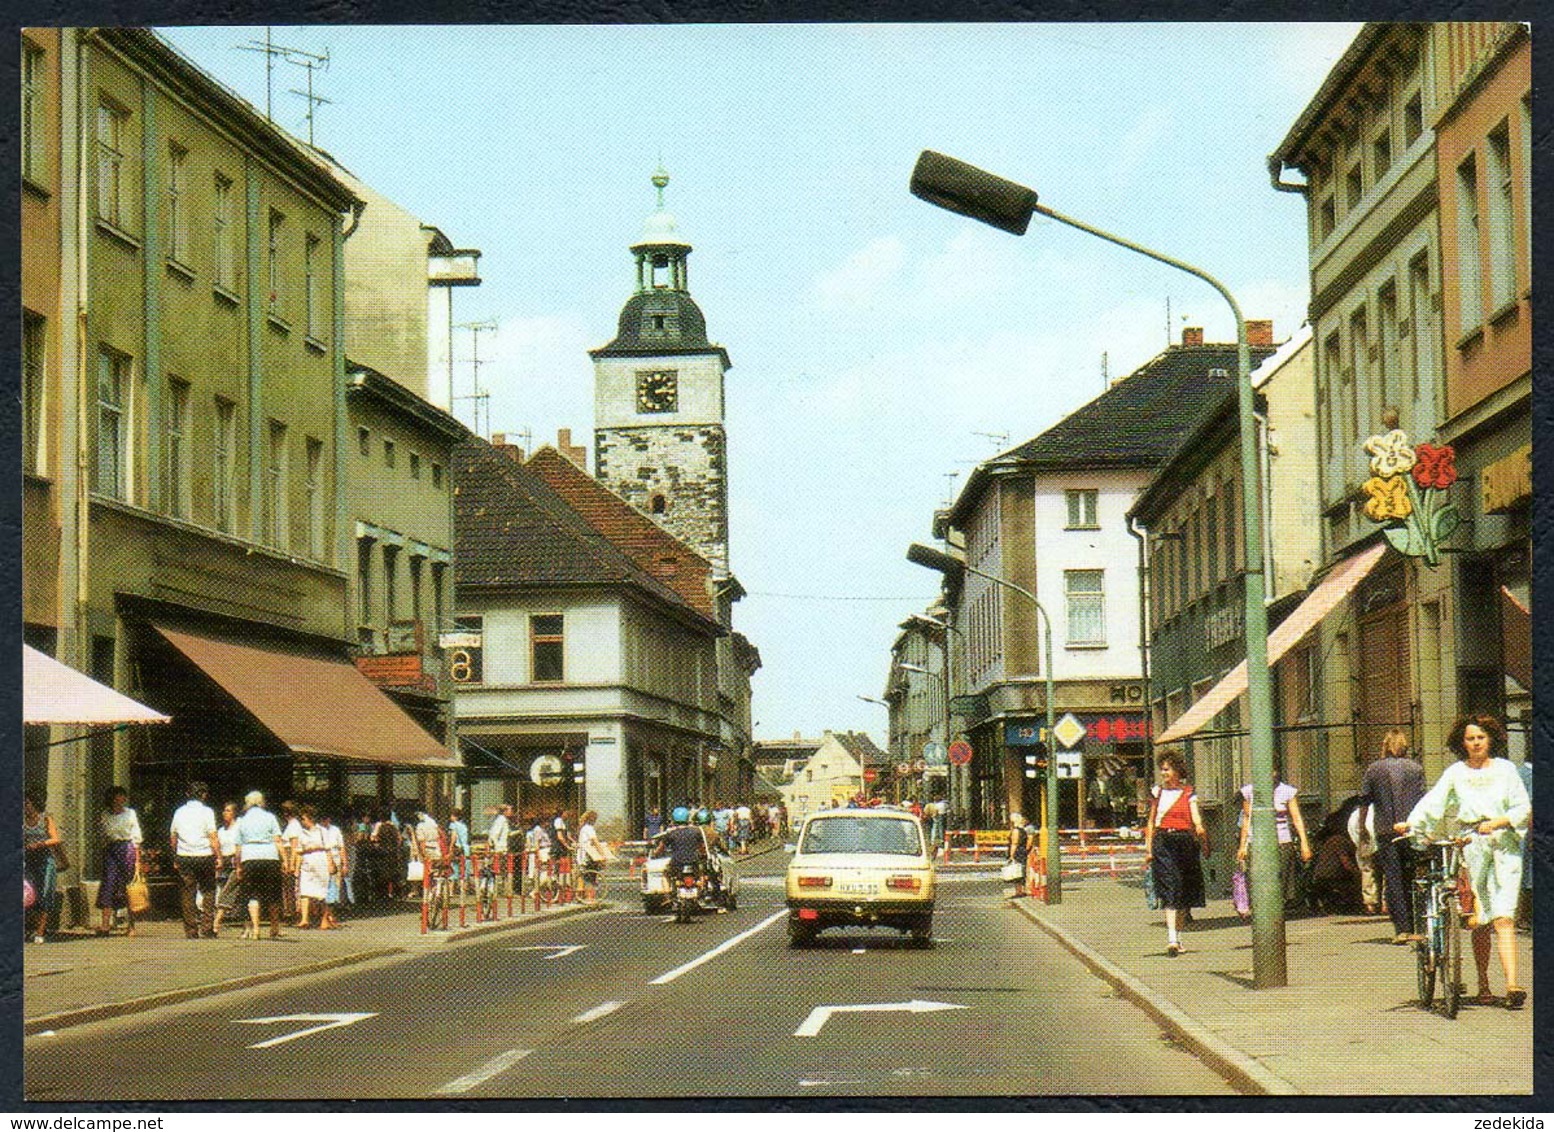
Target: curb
[(1243, 1071), (101, 1011)]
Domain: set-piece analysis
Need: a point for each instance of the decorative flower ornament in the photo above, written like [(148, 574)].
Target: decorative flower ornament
[(1388, 498), (1419, 517), (1390, 453), (1435, 467)]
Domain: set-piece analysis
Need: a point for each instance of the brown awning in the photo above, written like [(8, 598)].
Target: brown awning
[(1313, 607), (1516, 634), (56, 693), (314, 705)]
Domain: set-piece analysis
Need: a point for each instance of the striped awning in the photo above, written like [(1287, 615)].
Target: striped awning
[(1316, 605)]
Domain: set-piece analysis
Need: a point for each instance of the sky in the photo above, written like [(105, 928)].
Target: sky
[(881, 347)]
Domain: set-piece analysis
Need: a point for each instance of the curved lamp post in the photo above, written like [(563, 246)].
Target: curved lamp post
[(954, 185), (946, 564)]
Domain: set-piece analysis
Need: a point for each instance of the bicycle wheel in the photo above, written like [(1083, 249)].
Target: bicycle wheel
[(1451, 956), (1424, 946)]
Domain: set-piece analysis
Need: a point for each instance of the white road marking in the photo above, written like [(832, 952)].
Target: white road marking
[(806, 1083), (671, 976), (598, 1012), (819, 1016), (328, 1022), (557, 950), (859, 950), (498, 1064)]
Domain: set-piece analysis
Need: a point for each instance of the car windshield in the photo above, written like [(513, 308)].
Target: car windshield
[(861, 835)]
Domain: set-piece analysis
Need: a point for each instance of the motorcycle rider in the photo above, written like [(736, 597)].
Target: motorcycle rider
[(687, 848), (705, 820)]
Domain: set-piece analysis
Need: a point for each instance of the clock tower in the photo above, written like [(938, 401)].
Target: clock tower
[(658, 399)]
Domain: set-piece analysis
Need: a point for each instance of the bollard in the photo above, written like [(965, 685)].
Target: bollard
[(509, 867)]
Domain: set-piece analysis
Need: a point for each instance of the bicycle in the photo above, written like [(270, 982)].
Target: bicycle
[(1438, 916)]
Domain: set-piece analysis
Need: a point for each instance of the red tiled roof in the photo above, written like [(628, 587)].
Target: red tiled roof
[(653, 549)]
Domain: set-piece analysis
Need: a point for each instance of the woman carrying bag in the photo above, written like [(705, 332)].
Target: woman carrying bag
[(1172, 840), (120, 829), (1013, 872)]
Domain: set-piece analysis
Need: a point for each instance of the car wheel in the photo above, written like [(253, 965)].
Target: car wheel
[(731, 902), (651, 906), (922, 932), (800, 934)]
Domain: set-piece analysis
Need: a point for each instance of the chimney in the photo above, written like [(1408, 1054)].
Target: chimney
[(1192, 336), (511, 451), (1259, 332), (576, 453)]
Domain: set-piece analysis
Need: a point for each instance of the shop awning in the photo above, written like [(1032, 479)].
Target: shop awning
[(1316, 605), (56, 693), (1516, 634), (312, 704)]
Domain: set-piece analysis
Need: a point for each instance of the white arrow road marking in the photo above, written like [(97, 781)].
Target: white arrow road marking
[(498, 1064), (598, 1012), (819, 1016), (327, 1022), (671, 976), (557, 950)]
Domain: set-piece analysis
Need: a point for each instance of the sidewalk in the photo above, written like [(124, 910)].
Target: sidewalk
[(77, 977), (1347, 1023)]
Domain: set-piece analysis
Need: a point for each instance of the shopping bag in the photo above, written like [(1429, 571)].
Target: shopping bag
[(1239, 896), (137, 896), (29, 894), (416, 872), (1151, 897), (1011, 872)]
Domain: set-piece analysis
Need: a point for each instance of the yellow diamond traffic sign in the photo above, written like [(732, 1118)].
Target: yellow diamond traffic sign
[(1069, 730)]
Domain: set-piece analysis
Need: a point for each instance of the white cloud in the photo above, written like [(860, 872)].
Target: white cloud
[(1144, 135), (863, 277)]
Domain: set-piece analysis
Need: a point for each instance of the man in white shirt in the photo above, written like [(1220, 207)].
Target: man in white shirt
[(501, 829), (197, 856)]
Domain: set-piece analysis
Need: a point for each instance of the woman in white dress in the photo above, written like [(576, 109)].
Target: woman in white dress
[(1483, 793), (313, 873)]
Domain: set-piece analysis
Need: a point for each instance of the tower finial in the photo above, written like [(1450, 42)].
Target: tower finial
[(660, 181)]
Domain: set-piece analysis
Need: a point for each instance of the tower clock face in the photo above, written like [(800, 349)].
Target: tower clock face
[(657, 392)]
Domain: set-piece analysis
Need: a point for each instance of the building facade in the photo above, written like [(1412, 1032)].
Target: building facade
[(831, 776)]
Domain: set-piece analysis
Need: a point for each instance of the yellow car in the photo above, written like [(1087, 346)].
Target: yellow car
[(866, 867)]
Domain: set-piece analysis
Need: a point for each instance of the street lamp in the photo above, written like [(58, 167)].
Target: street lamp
[(969, 191), (944, 677), (945, 564)]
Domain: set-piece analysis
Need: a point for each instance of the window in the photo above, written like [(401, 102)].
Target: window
[(390, 581), (436, 475), (546, 651), (1526, 178), (439, 572), (416, 565), (1387, 335), (310, 285), (1354, 187), (1086, 606), (1327, 218), (1195, 550), (415, 466), (1413, 119), (276, 527), (658, 505), (177, 218), (113, 386), (364, 578), (273, 260), (1229, 516), (225, 470), (33, 135), (1211, 537), (1502, 220), (112, 124), (1421, 323), (388, 453), (1359, 369), (315, 493), (1381, 154), (364, 441), (34, 341), (175, 449), (1081, 508), (1333, 366), (1470, 299), (226, 274)]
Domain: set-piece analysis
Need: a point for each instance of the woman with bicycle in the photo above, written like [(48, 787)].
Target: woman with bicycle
[(1482, 794)]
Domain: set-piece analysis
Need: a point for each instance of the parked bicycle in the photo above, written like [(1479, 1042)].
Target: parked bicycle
[(1438, 915)]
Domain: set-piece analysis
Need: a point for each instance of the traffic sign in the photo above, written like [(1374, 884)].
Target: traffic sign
[(870, 774), (934, 753), (903, 768), (960, 752), (919, 766)]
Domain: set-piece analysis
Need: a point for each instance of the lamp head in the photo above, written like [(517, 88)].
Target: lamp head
[(954, 185), (933, 559)]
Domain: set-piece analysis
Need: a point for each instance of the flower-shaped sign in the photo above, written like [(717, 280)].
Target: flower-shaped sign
[(1415, 507)]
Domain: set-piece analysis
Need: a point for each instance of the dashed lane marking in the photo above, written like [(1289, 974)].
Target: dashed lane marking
[(598, 1012), (684, 968), (498, 1064)]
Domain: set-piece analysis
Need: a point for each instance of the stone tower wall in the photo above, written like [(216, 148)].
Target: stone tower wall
[(686, 465)]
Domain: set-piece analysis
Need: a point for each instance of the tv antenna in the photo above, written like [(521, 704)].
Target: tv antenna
[(312, 63), (481, 397), (949, 487), (1106, 380), (999, 439), (272, 51)]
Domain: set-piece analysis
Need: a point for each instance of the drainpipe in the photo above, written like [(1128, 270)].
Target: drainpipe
[(1149, 735), (1275, 177)]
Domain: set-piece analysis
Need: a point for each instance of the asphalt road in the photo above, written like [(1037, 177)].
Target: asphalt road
[(642, 1006)]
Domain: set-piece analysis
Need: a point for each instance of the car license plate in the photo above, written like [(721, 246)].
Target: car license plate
[(858, 889)]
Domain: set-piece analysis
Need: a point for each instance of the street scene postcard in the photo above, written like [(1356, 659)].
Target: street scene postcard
[(829, 561)]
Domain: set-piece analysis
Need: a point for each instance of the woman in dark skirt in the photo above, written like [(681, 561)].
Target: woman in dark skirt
[(1172, 840), (120, 828)]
